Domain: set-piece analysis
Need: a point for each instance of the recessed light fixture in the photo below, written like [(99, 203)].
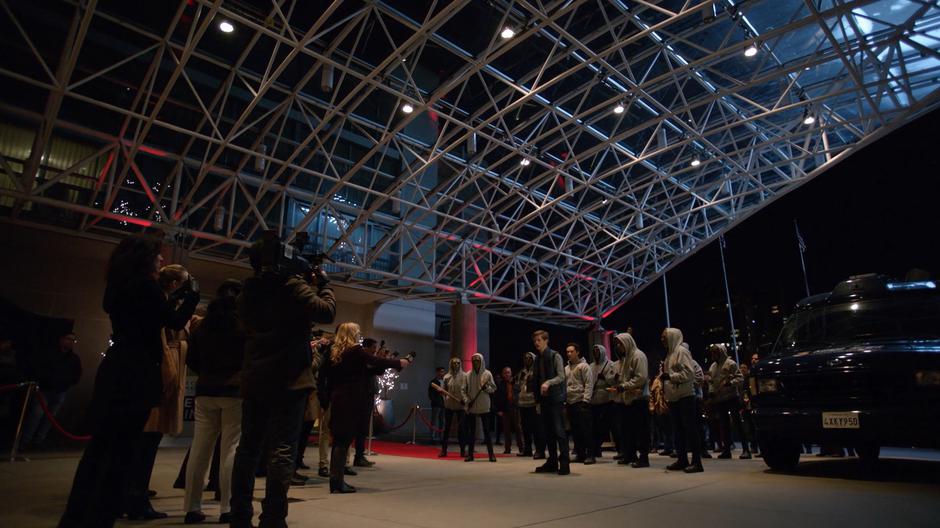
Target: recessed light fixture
[(507, 33), (809, 120), (407, 108), (525, 162), (226, 27), (619, 108), (751, 50)]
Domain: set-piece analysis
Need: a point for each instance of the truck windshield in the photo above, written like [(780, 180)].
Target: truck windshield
[(862, 321)]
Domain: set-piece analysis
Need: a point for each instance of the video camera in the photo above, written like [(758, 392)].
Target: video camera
[(272, 255)]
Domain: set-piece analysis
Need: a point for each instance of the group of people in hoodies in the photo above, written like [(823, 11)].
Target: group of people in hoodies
[(608, 395), (466, 398)]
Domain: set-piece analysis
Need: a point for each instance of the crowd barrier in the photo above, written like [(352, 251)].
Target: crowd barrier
[(32, 391)]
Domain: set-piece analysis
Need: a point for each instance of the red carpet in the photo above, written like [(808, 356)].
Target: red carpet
[(423, 451)]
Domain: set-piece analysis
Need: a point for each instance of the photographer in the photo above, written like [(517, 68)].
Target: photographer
[(276, 309), (129, 382), (350, 396)]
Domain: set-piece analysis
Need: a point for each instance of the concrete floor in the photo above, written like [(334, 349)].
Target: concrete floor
[(431, 493)]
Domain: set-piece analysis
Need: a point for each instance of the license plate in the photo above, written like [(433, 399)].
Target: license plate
[(839, 420)]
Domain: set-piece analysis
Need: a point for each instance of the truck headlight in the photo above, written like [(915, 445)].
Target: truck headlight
[(767, 385), (927, 378)]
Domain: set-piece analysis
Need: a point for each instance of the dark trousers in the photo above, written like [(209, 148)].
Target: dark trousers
[(636, 430), (138, 480), (437, 420), (687, 430), (728, 414), (579, 415), (305, 429), (449, 416), (616, 425), (96, 497), (601, 417), (664, 435), (276, 419), (532, 431), (512, 427), (556, 440), (471, 431)]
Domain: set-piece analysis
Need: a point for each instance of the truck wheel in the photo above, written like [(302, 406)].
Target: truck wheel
[(868, 455), (780, 454)]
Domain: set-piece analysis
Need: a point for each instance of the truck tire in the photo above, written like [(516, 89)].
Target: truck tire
[(780, 454)]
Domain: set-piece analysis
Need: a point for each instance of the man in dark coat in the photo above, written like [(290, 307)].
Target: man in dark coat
[(550, 375), (276, 309)]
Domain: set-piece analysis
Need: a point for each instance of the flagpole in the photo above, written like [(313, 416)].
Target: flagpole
[(666, 297), (724, 273), (801, 245)]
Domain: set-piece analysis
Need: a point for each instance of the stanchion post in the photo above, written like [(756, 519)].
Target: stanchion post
[(414, 424), (371, 421), (14, 451)]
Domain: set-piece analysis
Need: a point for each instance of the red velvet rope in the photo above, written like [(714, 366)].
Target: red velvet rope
[(427, 423), (55, 423), (402, 424), (11, 387)]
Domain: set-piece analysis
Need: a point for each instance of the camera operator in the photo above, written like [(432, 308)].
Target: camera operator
[(276, 308)]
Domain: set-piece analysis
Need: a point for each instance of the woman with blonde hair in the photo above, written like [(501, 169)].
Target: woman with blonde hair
[(350, 395)]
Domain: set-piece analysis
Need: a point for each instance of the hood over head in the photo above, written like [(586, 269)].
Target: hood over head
[(530, 356), (454, 365), (722, 353), (673, 339), (629, 345), (602, 354), (482, 363)]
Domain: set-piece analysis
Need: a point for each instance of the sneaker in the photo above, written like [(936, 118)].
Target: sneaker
[(589, 460), (349, 471), (302, 466), (695, 468), (666, 452), (323, 472), (297, 480), (363, 462), (194, 517), (225, 518), (547, 467), (643, 462), (677, 466), (725, 455), (745, 455)]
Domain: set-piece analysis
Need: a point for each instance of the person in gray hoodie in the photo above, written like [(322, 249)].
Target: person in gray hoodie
[(526, 388), (724, 384), (480, 385), (602, 407), (579, 381), (678, 380), (454, 390), (634, 390), (550, 376)]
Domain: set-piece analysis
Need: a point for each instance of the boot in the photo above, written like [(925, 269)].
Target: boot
[(337, 470), (550, 466), (642, 462), (563, 468)]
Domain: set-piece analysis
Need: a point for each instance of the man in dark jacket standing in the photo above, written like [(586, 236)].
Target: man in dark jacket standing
[(437, 403), (504, 399), (276, 308), (550, 374)]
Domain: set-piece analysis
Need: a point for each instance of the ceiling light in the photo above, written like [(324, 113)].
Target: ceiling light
[(751, 50), (507, 33), (525, 162), (619, 108), (226, 27), (407, 108), (809, 120), (605, 201), (696, 162)]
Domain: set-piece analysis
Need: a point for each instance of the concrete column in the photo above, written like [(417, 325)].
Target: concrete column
[(463, 332)]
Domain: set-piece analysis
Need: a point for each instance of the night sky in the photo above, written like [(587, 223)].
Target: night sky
[(875, 212)]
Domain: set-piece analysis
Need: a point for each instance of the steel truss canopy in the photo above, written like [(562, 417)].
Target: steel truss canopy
[(543, 159)]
